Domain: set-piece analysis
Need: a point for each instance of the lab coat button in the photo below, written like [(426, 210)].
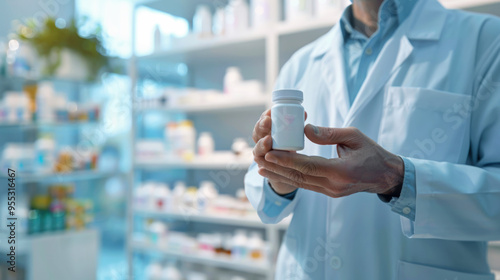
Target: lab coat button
[(369, 51), (336, 262), (278, 203), (406, 210)]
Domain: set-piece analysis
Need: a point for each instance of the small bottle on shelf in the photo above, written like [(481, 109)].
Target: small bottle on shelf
[(206, 244), (219, 27), (187, 138), (206, 194), (178, 195), (163, 197), (45, 153), (206, 145), (260, 13), (157, 39), (239, 250), (237, 16), (256, 246), (44, 102), (227, 245), (232, 79), (202, 21)]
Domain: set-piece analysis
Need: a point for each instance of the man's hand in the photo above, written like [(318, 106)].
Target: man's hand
[(362, 166), (262, 137)]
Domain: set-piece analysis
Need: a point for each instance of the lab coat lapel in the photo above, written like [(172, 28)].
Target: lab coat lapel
[(426, 22), (394, 53), (333, 74)]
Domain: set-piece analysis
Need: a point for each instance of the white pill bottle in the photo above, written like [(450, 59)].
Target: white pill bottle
[(287, 116)]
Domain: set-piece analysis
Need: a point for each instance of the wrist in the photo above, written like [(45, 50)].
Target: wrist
[(395, 177), (282, 190)]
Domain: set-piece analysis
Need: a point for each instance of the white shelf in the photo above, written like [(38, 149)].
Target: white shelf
[(32, 125), (247, 266), (63, 177), (232, 220), (230, 105), (247, 44), (161, 163), (465, 4), (495, 244), (25, 240), (54, 234)]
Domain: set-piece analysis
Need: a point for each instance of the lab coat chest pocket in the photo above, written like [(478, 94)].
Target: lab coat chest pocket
[(425, 124), (411, 271)]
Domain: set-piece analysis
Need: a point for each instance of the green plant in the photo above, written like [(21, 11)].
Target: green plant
[(49, 40)]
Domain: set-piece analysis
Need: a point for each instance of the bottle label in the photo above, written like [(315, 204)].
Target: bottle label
[(287, 127)]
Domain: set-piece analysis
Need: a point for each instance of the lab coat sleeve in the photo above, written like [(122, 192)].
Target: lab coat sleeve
[(271, 207), (462, 202), (406, 203)]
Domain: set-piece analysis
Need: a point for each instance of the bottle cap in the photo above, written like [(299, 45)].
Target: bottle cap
[(284, 94)]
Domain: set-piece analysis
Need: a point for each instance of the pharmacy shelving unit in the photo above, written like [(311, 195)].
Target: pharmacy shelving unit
[(33, 248), (259, 268), (250, 222), (254, 268), (263, 51)]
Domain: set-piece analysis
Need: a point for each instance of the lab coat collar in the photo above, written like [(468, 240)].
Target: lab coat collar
[(389, 10), (426, 23), (325, 43)]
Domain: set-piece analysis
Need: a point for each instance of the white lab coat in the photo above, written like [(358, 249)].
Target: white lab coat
[(414, 104)]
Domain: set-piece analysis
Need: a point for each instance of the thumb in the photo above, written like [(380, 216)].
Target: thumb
[(332, 136)]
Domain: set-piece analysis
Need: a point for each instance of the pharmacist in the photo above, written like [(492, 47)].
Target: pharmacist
[(400, 176)]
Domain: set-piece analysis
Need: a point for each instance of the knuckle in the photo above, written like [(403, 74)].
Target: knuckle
[(296, 176), (354, 130), (265, 124), (309, 167), (261, 148), (258, 160), (266, 144), (255, 138), (331, 134)]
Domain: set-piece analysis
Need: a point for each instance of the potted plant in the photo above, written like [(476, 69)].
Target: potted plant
[(63, 52)]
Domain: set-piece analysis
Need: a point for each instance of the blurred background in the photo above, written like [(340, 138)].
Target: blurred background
[(125, 133)]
